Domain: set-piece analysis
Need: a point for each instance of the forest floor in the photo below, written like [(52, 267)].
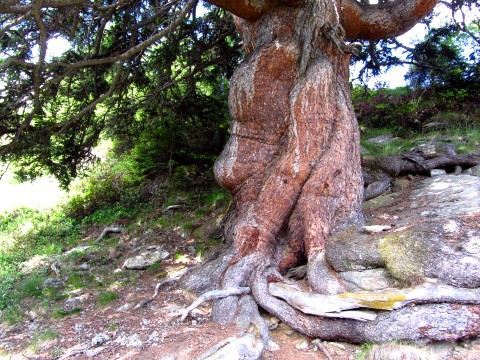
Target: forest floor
[(118, 330)]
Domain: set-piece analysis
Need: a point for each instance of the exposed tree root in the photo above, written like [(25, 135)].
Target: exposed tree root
[(255, 334), (319, 344), (417, 162), (165, 282), (213, 295), (426, 313), (108, 230), (339, 305), (379, 171)]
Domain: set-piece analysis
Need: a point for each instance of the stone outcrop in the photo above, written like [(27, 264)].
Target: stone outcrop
[(435, 234)]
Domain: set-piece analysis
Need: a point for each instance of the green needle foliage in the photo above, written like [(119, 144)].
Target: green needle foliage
[(151, 75)]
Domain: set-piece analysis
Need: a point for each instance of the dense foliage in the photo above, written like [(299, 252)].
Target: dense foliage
[(150, 74), (447, 56)]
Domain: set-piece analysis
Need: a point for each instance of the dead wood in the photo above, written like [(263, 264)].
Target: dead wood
[(109, 230), (417, 162), (341, 305)]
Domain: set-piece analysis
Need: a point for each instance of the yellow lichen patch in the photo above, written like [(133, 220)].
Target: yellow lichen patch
[(404, 256), (379, 301)]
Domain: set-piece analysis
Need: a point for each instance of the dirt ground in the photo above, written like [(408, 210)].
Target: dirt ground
[(154, 331)]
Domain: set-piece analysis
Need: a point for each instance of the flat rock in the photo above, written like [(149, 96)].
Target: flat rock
[(441, 234), (146, 258), (436, 236), (475, 171), (374, 229), (447, 196), (368, 280)]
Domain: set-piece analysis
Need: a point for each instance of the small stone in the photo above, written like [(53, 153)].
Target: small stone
[(83, 267), (90, 353), (272, 323), (302, 346), (374, 229), (475, 171), (100, 339), (437, 172), (124, 307), (150, 256), (79, 328), (73, 303), (153, 337), (458, 170), (272, 346), (132, 341), (33, 326), (53, 283)]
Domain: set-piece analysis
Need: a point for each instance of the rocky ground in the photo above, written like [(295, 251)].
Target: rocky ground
[(120, 330)]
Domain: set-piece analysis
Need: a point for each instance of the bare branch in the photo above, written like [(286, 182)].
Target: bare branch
[(341, 305), (383, 20), (251, 10), (12, 6)]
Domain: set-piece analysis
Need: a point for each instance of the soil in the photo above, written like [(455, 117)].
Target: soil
[(119, 331), (154, 331)]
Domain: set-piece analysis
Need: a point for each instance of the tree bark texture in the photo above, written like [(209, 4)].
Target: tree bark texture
[(292, 161)]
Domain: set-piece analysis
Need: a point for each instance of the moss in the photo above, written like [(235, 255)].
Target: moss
[(403, 256)]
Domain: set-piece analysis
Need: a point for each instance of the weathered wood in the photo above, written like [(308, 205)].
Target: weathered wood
[(417, 163), (340, 305), (213, 295), (109, 230)]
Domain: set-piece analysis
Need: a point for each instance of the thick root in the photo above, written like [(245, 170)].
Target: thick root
[(321, 277), (213, 295)]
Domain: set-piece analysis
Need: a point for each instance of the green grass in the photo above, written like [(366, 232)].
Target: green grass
[(40, 338), (106, 298), (32, 285), (394, 147), (26, 235), (362, 353), (58, 313)]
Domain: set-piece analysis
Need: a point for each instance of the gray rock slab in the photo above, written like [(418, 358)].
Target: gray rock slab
[(146, 258), (368, 280), (447, 196), (474, 171)]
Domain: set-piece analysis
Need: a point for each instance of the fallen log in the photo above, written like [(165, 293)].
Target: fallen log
[(417, 162)]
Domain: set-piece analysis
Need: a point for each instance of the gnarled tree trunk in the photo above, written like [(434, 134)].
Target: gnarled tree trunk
[(293, 163)]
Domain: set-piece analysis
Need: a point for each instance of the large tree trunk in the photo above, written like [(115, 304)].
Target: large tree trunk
[(293, 166), (292, 161)]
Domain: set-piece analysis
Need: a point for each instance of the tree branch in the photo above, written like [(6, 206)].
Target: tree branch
[(251, 10), (383, 20), (12, 6), (131, 52)]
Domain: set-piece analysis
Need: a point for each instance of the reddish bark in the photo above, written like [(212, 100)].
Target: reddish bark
[(292, 161), (384, 20)]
